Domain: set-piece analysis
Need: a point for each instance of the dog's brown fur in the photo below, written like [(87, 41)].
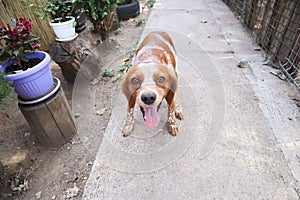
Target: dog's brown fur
[(153, 77)]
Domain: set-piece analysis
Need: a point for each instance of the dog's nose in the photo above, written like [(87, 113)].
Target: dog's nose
[(148, 98)]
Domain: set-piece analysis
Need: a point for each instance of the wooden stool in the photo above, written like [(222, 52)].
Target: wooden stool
[(50, 117)]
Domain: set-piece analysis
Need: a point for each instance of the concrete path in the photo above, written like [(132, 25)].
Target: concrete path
[(240, 136)]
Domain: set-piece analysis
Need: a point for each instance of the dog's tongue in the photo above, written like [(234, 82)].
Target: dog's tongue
[(151, 117)]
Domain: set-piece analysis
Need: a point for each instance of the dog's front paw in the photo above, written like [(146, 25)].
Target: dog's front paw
[(178, 112), (127, 130), (173, 129), (172, 125)]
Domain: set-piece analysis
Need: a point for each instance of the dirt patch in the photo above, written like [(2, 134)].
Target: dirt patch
[(32, 171)]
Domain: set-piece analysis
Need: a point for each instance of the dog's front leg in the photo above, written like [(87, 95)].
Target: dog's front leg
[(172, 125), (128, 127)]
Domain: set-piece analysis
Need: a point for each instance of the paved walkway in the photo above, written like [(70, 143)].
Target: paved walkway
[(240, 136)]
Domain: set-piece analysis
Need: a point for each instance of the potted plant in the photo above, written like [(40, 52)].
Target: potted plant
[(101, 13), (28, 69), (61, 20), (127, 9), (5, 88)]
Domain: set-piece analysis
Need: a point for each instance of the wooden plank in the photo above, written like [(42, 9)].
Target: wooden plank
[(38, 119), (248, 13), (290, 37), (52, 121), (284, 15), (62, 116), (254, 7), (264, 34)]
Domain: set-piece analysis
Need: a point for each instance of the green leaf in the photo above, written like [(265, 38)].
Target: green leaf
[(32, 40), (138, 22), (106, 72), (74, 24), (101, 111), (4, 57), (104, 14), (125, 67), (16, 52), (23, 58), (5, 89)]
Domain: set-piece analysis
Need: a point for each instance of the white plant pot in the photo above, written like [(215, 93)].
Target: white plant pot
[(64, 30)]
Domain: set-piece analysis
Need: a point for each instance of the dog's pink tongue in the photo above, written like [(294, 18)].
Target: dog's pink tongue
[(151, 117)]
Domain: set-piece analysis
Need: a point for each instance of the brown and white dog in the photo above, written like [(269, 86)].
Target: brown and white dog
[(151, 79)]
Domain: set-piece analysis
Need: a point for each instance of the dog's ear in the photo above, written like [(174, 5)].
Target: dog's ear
[(130, 95), (172, 87), (129, 89), (125, 87), (173, 81)]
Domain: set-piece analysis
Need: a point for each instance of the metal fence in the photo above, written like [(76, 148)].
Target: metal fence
[(275, 24)]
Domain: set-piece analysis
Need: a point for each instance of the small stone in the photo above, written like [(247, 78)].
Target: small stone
[(26, 184), (71, 192), (257, 49), (242, 64), (76, 115), (38, 195)]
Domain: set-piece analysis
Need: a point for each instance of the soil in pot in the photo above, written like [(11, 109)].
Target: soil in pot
[(11, 69), (60, 20)]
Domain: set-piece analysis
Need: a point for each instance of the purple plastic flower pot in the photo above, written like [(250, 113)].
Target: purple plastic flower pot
[(34, 82)]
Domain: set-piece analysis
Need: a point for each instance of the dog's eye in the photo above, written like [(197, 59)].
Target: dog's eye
[(135, 81), (161, 79)]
